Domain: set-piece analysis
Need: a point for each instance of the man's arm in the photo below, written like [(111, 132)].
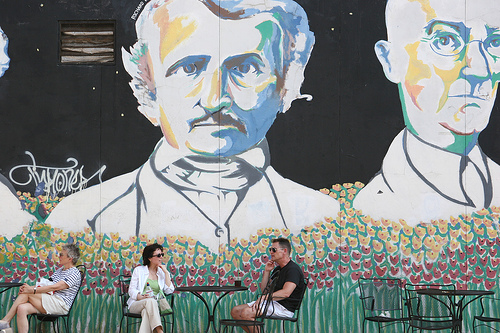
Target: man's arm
[(287, 290), (265, 276)]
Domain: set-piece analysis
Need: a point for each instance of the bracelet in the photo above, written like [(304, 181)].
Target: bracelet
[(34, 290)]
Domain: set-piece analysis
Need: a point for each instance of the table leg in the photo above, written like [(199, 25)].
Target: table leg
[(210, 316), (215, 307), (456, 313), (460, 309)]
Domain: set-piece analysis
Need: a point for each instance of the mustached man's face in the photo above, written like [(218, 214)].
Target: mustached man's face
[(216, 81), (4, 58), (445, 57)]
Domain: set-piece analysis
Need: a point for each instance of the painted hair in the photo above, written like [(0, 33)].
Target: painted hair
[(294, 49), (4, 60)]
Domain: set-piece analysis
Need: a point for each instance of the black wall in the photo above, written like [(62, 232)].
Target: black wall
[(53, 110)]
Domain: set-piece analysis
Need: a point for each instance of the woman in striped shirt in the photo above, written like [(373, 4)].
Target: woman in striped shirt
[(52, 299)]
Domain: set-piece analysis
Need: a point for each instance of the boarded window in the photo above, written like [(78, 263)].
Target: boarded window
[(87, 42)]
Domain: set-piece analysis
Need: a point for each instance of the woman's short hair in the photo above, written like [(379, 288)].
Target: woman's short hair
[(148, 252), (73, 252)]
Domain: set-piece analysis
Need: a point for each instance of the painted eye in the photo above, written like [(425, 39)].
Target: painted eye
[(492, 45), (445, 43), (189, 68), (246, 68), (243, 68)]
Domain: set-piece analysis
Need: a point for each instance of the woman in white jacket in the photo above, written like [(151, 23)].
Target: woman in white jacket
[(155, 273)]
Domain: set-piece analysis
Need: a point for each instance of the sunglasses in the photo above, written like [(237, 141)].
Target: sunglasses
[(274, 249), (159, 255)]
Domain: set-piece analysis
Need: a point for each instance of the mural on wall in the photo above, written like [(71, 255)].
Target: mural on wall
[(445, 63), (11, 207), (208, 192), (214, 95)]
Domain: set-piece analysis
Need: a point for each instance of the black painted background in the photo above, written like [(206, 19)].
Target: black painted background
[(53, 111)]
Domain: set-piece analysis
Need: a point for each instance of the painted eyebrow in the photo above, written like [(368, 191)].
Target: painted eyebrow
[(187, 60), (492, 30), (239, 59), (459, 27)]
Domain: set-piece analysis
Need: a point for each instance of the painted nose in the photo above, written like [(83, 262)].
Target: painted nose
[(477, 66), (215, 95)]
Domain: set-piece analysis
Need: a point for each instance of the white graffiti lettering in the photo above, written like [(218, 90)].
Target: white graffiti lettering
[(58, 181), (137, 10)]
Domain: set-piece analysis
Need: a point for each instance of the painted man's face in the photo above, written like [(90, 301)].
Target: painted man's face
[(4, 58), (446, 61), (216, 81)]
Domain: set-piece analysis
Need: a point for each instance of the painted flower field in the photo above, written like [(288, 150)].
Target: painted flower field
[(334, 254)]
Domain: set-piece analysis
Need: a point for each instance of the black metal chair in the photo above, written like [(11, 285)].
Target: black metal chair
[(53, 318), (258, 323), (432, 313), (124, 281), (489, 316), (382, 302), (295, 318)]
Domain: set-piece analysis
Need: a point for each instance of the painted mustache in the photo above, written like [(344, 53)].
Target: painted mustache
[(219, 118)]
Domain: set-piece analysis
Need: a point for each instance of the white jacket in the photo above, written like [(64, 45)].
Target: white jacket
[(138, 281)]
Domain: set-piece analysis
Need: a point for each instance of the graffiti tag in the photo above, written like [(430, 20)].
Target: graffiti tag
[(58, 181), (137, 10)]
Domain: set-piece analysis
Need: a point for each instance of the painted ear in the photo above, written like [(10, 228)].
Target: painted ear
[(139, 68), (385, 57)]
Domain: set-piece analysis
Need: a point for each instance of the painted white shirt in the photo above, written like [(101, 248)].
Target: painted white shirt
[(419, 183), (147, 201), (12, 215)]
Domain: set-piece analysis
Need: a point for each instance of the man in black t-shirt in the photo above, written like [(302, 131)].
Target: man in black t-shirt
[(289, 285)]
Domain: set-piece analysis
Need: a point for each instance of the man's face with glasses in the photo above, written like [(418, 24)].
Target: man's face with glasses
[(445, 56), (276, 251)]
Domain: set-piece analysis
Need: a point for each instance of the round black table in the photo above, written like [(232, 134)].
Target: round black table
[(4, 286), (197, 290), (453, 295)]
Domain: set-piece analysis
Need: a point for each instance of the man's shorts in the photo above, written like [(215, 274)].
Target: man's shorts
[(276, 309), (54, 304)]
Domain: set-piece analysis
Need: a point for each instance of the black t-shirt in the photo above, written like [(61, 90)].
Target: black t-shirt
[(290, 273)]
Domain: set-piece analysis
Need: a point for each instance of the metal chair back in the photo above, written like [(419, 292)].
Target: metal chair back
[(295, 318), (428, 312), (124, 283), (54, 318), (262, 308), (382, 301), (489, 317)]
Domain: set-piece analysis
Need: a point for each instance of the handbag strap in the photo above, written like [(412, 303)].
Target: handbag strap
[(162, 294)]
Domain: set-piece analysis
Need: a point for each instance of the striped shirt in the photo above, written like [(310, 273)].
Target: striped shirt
[(72, 278)]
